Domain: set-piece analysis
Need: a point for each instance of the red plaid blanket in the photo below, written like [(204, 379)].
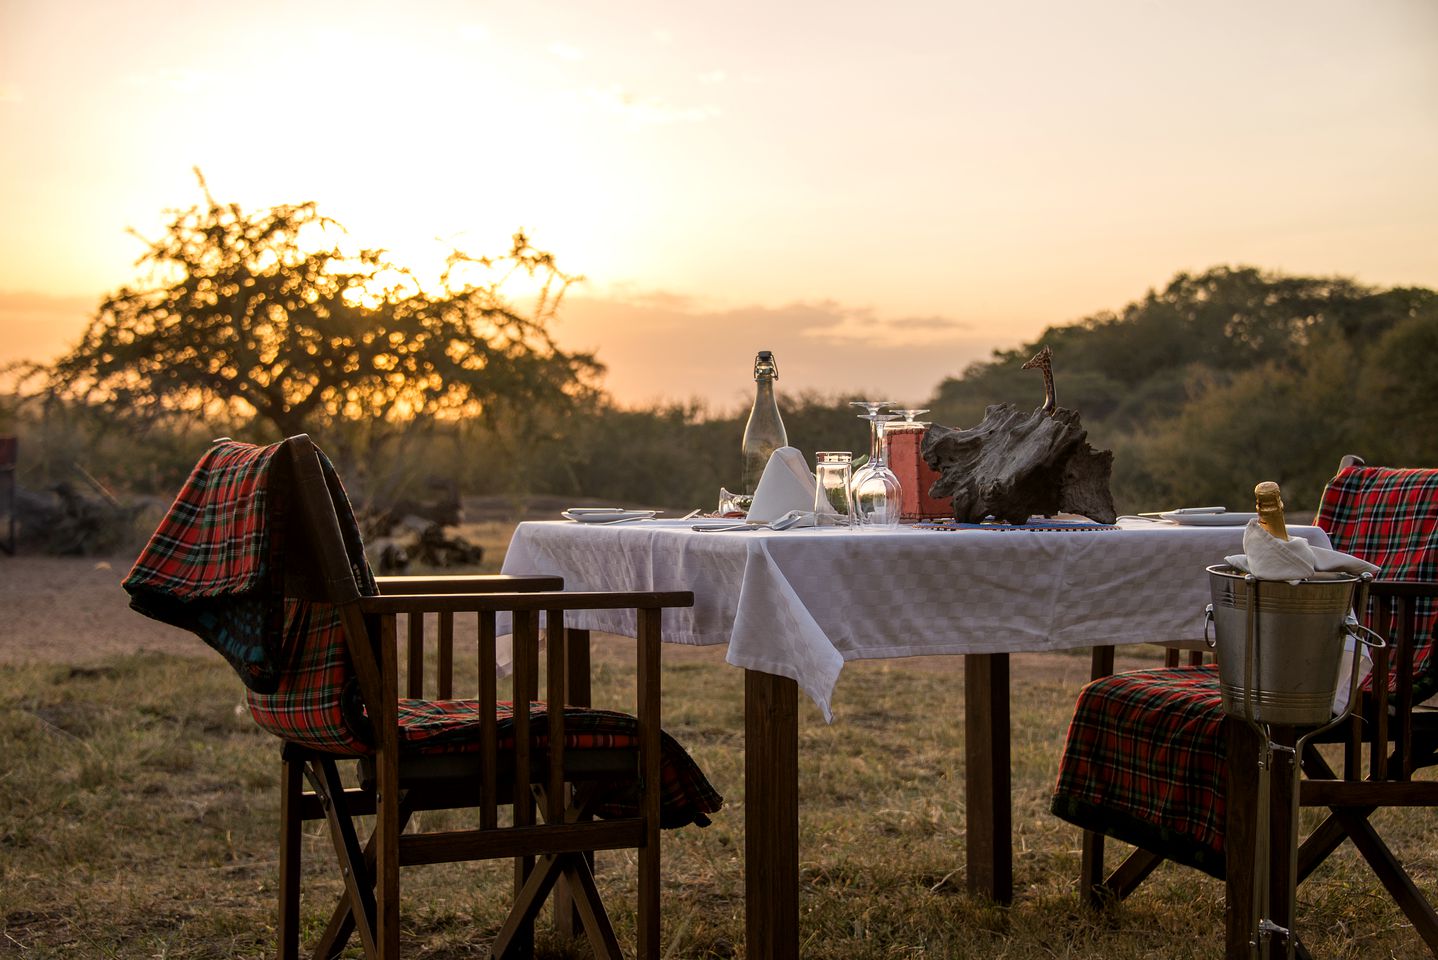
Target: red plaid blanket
[(216, 564), (1145, 756)]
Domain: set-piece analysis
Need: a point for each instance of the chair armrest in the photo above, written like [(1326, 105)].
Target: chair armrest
[(546, 600), (1403, 588), (486, 583)]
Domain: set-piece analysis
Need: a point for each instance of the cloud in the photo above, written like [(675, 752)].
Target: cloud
[(928, 323), (713, 77), (10, 93), (664, 346), (646, 111), (565, 52)]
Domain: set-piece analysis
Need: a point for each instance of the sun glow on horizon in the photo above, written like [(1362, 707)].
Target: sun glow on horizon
[(934, 175)]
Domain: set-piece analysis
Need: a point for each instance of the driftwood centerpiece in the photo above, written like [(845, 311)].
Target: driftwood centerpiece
[(1016, 465)]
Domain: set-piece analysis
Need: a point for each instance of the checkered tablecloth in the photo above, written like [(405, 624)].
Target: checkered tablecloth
[(800, 603)]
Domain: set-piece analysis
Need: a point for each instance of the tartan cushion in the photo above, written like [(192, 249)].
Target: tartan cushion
[(452, 726), (1144, 758), (1144, 762)]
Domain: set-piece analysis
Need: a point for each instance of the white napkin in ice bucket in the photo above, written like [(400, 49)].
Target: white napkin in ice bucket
[(786, 485), (1268, 558)]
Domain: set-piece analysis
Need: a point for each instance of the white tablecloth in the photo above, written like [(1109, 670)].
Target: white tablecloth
[(799, 603)]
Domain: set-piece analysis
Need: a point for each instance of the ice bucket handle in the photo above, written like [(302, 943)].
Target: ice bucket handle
[(1373, 640)]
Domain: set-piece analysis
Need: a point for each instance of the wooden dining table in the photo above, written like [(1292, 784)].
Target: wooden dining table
[(794, 606)]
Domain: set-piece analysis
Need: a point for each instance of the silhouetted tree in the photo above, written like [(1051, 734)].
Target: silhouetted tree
[(264, 314)]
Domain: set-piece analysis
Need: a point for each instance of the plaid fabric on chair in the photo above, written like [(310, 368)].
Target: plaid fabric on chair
[(449, 726), (223, 565), (1145, 756), (219, 565), (209, 567)]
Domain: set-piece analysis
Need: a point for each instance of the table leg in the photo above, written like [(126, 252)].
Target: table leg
[(771, 816), (987, 791)]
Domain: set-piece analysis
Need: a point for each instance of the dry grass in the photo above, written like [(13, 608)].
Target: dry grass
[(138, 819)]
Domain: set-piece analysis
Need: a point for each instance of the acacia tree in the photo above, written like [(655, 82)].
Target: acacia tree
[(263, 314)]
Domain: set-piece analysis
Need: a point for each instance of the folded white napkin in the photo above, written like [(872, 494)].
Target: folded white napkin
[(786, 485), (1268, 558)]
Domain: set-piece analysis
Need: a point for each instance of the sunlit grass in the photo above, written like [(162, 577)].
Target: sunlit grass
[(138, 818)]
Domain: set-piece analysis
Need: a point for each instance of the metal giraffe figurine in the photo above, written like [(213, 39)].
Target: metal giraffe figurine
[(1043, 361)]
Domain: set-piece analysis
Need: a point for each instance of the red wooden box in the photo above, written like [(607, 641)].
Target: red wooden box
[(915, 478)]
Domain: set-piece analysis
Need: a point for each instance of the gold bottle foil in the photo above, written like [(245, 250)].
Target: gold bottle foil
[(1269, 504)]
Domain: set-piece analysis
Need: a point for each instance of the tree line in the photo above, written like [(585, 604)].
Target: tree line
[(261, 324)]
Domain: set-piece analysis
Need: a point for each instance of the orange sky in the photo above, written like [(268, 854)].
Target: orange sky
[(880, 194)]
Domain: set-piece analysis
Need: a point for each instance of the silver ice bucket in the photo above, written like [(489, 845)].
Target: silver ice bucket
[(1286, 671)]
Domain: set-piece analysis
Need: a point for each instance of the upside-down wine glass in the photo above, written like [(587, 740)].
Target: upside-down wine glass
[(909, 416), (871, 407), (876, 488)]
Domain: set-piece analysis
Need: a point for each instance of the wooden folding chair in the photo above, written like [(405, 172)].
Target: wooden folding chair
[(575, 780), (1146, 735)]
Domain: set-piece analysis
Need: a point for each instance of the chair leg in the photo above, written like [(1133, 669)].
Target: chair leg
[(513, 937), (647, 920), (288, 926), (1133, 871), (342, 923), (1091, 869), (386, 868), (359, 880), (568, 923), (1240, 836), (516, 936), (1395, 879), (591, 911), (1091, 858)]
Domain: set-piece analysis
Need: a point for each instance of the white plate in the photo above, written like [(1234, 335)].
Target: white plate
[(606, 514), (1224, 519)]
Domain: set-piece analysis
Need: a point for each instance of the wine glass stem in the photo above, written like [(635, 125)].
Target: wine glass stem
[(876, 442)]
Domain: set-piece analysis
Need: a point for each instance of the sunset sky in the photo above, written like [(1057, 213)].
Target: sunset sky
[(880, 193)]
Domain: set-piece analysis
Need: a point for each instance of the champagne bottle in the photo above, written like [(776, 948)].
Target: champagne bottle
[(764, 433), (1269, 504)]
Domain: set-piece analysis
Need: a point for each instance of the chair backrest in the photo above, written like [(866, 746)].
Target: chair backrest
[(1389, 517), (258, 555)]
